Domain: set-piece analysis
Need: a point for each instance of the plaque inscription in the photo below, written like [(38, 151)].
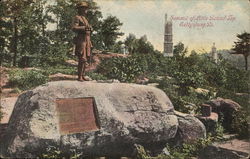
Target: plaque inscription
[(77, 115)]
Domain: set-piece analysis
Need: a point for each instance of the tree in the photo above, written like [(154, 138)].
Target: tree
[(141, 45), (130, 43), (180, 50), (5, 34), (110, 31), (144, 46), (242, 46), (26, 22)]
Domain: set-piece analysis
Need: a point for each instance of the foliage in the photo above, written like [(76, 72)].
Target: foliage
[(182, 76), (109, 32), (5, 34), (184, 151), (25, 34), (39, 34), (141, 152), (130, 43), (52, 152), (59, 69), (123, 69), (180, 50), (240, 123), (138, 46), (219, 131), (96, 76), (26, 79), (242, 46)]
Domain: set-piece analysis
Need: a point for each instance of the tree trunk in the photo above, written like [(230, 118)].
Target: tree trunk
[(15, 38), (246, 63)]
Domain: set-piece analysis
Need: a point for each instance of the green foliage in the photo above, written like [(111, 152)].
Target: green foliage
[(28, 40), (52, 152), (188, 150), (130, 68), (141, 152), (184, 151), (180, 50), (109, 31), (242, 46), (219, 131), (26, 79), (138, 46), (123, 69), (181, 77), (240, 123), (96, 76), (59, 69)]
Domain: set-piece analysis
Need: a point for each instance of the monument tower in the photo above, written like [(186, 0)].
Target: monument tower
[(168, 38), (214, 53)]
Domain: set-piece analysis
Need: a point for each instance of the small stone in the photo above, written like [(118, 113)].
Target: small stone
[(210, 122)]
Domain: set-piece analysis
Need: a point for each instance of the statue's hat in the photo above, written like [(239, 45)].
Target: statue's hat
[(82, 4)]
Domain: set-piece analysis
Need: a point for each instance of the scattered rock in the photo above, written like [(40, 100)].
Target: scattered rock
[(160, 78), (201, 91), (210, 122), (165, 151), (190, 107), (225, 151), (225, 109), (60, 76), (235, 144), (220, 104), (153, 84), (190, 128), (71, 62), (142, 80), (95, 51), (31, 68), (126, 113)]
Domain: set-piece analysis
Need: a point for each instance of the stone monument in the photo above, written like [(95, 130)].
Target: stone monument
[(168, 38)]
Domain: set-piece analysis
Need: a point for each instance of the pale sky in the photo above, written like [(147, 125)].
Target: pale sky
[(146, 17)]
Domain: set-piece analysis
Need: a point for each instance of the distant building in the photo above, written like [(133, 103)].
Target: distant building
[(168, 38), (214, 53)]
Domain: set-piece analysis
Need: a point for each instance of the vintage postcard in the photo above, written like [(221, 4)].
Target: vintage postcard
[(124, 79)]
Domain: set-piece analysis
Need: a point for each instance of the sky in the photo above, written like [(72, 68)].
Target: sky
[(196, 23)]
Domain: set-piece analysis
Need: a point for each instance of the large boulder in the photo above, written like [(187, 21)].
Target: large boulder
[(126, 114), (225, 109), (189, 130)]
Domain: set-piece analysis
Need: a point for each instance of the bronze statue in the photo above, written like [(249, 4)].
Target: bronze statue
[(82, 41)]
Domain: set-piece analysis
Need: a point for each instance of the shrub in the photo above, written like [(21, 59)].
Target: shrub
[(96, 76), (123, 69), (55, 152), (63, 70), (189, 150), (26, 79), (240, 123)]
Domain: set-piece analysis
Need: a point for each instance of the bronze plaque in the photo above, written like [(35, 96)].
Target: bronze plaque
[(77, 115)]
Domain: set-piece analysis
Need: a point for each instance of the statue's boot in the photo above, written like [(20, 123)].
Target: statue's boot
[(80, 70), (83, 72)]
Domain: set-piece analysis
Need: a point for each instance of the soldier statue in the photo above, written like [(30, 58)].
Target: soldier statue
[(82, 40)]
